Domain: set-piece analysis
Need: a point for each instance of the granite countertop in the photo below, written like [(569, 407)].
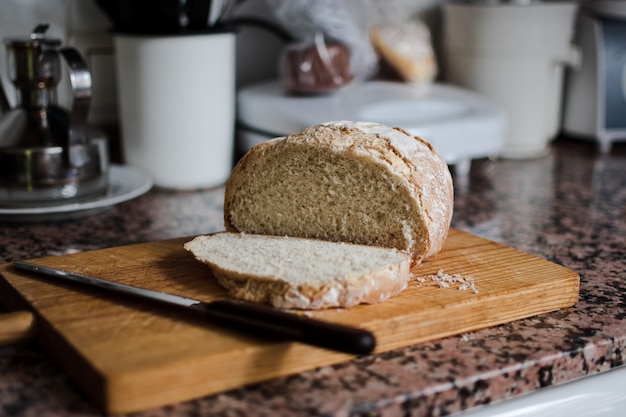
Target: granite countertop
[(568, 207)]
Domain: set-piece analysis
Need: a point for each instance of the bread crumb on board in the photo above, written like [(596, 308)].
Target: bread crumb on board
[(443, 280), (466, 337)]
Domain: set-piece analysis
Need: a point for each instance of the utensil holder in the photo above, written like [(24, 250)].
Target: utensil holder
[(177, 106)]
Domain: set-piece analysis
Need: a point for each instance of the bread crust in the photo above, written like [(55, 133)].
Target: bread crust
[(412, 161), (372, 288)]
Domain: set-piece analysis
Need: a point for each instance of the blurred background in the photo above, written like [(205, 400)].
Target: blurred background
[(583, 102)]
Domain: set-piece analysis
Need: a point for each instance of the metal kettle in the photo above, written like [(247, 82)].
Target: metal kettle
[(46, 152)]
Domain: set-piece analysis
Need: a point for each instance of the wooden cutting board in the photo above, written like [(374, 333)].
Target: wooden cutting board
[(129, 355)]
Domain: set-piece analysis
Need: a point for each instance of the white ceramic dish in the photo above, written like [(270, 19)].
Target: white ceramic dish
[(125, 183)]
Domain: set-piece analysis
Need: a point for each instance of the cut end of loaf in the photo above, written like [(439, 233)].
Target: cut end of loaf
[(302, 273), (310, 192)]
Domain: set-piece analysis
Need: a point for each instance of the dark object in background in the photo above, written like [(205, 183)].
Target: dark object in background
[(320, 67), (166, 16)]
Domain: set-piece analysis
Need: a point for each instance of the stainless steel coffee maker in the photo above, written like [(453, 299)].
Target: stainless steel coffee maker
[(47, 155)]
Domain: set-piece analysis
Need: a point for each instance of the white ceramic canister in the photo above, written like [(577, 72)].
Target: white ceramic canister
[(177, 106), (514, 54)]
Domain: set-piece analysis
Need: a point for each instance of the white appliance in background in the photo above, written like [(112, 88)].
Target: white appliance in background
[(513, 53), (595, 100), (460, 124)]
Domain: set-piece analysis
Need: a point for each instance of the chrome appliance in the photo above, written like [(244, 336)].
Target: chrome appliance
[(46, 152)]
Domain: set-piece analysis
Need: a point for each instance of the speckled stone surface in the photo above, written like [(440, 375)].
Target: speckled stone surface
[(568, 207)]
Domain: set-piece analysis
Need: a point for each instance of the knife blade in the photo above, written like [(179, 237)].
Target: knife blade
[(239, 316)]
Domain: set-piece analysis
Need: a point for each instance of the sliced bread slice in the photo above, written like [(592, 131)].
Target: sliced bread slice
[(302, 273)]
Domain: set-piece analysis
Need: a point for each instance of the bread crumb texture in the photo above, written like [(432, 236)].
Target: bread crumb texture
[(357, 182), (302, 273), (443, 280)]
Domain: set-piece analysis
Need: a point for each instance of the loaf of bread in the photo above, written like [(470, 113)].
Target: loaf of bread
[(302, 273), (358, 182), (407, 48), (317, 68)]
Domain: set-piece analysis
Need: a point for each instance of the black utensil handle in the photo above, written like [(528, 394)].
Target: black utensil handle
[(314, 332)]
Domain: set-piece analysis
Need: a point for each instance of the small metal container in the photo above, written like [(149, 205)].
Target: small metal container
[(47, 154), (41, 176)]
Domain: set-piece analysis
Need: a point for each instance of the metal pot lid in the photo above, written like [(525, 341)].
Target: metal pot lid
[(36, 39)]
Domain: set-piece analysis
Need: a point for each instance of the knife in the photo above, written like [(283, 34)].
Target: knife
[(239, 316)]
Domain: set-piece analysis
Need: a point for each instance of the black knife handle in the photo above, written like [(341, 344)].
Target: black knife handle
[(247, 317)]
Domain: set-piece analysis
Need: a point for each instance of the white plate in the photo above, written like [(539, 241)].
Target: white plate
[(125, 183)]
